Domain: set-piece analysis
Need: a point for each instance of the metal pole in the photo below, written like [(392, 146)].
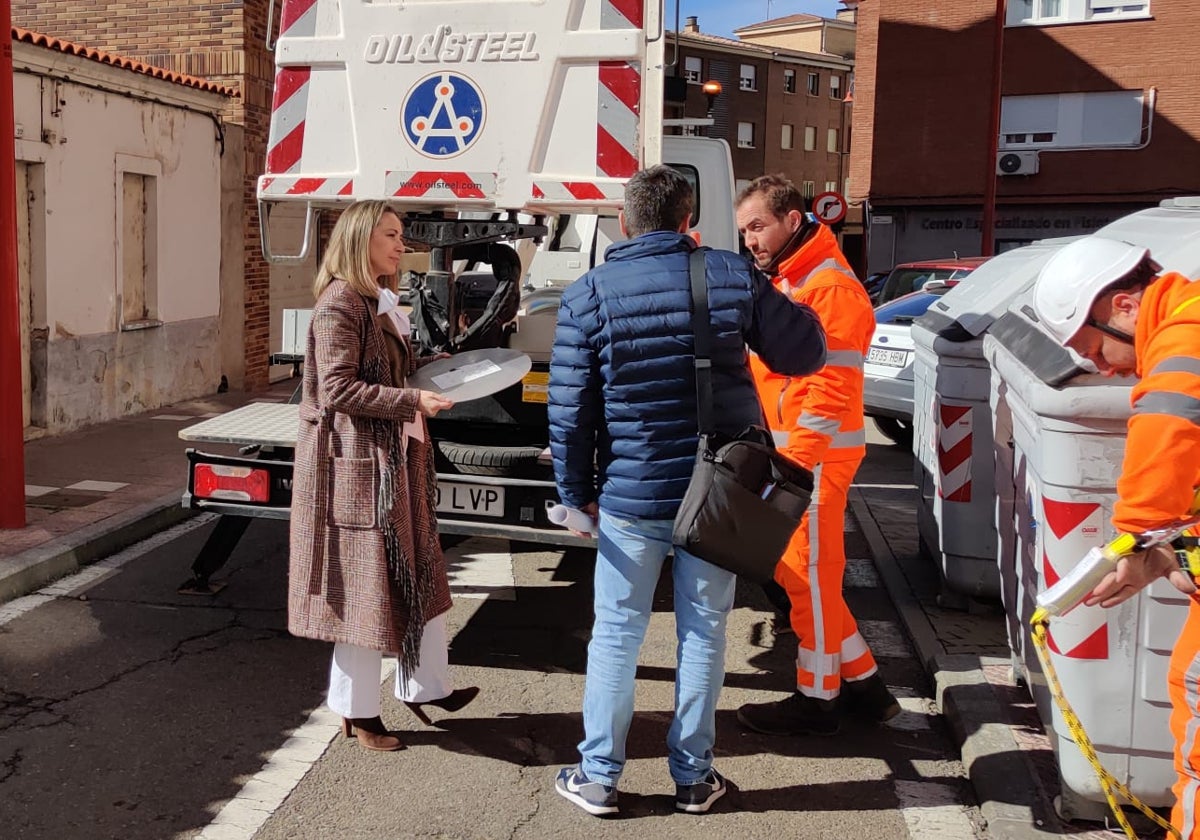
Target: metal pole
[(987, 234), (12, 421)]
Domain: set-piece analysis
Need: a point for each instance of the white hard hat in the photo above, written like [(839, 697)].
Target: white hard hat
[(1072, 279)]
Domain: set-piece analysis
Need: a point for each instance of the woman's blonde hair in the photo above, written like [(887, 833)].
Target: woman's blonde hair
[(348, 255)]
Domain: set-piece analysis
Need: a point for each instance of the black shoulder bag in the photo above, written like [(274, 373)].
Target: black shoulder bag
[(745, 499)]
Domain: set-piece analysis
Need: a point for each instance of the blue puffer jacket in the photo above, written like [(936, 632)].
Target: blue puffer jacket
[(622, 382)]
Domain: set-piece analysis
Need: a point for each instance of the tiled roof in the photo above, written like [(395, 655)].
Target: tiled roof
[(725, 42), (751, 46), (783, 21), (58, 44)]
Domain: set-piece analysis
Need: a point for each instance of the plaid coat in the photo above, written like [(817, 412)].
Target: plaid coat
[(366, 564)]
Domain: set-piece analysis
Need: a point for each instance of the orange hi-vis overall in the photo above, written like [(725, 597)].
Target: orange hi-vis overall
[(1159, 478), (817, 421)]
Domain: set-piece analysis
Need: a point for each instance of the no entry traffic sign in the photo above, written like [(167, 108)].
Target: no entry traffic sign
[(829, 207)]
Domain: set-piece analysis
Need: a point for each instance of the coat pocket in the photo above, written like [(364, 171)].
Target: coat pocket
[(355, 485)]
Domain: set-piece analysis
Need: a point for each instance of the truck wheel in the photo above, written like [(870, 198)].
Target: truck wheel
[(476, 459), (899, 432)]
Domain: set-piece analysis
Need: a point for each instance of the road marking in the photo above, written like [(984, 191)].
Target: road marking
[(87, 577), (477, 570), (260, 797)]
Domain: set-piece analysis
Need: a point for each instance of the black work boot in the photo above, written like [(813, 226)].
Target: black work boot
[(795, 714), (870, 699)]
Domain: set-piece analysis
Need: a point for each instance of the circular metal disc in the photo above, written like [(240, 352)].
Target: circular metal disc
[(472, 375)]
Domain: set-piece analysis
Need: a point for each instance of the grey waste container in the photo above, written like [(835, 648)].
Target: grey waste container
[(952, 424), (1059, 436)]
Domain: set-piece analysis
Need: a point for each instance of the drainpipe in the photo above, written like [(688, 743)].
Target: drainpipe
[(12, 423), (987, 233)]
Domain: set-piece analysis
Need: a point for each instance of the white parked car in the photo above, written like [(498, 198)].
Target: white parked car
[(910, 289)]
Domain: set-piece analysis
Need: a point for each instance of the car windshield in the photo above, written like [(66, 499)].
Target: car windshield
[(904, 309), (904, 280)]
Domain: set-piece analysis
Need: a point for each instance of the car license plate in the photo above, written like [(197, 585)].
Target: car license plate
[(887, 357), (476, 499)]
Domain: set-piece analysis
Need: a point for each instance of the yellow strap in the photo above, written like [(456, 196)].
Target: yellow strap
[(1108, 782), (1183, 306)]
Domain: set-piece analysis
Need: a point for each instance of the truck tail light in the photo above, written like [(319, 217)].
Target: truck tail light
[(242, 484)]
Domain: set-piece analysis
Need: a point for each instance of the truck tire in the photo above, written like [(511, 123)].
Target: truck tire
[(899, 432), (477, 459)]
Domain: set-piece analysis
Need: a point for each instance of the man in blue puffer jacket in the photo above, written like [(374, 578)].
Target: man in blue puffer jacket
[(623, 436)]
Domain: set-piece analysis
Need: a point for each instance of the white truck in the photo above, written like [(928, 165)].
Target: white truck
[(484, 122)]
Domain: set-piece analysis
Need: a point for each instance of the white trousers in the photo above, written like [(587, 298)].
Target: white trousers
[(354, 676)]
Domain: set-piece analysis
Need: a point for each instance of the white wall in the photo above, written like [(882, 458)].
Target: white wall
[(84, 132)]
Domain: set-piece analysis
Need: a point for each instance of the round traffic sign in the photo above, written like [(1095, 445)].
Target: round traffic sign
[(829, 207)]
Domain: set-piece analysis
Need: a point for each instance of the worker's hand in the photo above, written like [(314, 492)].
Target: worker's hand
[(592, 509), (430, 403), (1137, 571)]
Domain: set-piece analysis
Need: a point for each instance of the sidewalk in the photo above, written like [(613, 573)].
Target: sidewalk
[(1005, 751), (95, 491)]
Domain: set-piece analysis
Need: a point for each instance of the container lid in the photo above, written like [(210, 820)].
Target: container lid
[(985, 294)]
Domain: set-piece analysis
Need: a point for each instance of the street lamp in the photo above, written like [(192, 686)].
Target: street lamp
[(712, 89)]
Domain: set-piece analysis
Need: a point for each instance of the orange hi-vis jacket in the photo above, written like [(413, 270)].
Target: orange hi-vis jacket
[(819, 418), (1161, 470)]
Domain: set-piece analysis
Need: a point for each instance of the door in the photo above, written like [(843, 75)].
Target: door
[(23, 289)]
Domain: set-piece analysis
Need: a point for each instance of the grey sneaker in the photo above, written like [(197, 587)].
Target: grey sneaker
[(594, 797), (698, 798)]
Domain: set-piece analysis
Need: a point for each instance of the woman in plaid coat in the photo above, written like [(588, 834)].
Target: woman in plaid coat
[(367, 571)]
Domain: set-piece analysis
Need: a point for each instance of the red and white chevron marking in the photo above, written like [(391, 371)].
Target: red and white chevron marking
[(618, 111), (1070, 529), (289, 108), (440, 185), (583, 191), (274, 185), (954, 442)]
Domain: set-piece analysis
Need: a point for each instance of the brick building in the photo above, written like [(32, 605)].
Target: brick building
[(1100, 117), (781, 109), (221, 41)]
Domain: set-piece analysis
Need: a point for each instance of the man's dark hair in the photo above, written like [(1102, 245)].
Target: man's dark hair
[(780, 194), (1138, 278), (658, 198)]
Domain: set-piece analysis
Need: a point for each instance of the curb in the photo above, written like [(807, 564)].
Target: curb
[(1008, 799), (34, 568)]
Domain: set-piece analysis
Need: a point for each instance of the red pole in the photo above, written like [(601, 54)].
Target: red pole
[(987, 234), (12, 423)]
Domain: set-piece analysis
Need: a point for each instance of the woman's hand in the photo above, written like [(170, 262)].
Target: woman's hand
[(430, 403)]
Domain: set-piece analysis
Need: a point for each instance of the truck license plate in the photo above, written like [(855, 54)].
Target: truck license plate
[(477, 499), (887, 357)]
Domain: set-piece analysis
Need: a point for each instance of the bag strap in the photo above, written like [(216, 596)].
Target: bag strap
[(701, 331)]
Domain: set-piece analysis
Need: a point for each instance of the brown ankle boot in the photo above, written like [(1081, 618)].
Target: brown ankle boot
[(371, 734)]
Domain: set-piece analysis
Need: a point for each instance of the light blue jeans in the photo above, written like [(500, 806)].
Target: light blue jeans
[(628, 562)]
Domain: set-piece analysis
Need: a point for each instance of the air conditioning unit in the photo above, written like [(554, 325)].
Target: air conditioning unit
[(1017, 163)]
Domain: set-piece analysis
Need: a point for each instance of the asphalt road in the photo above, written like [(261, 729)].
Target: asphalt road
[(128, 711)]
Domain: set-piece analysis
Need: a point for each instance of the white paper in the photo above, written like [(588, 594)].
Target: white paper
[(465, 374), (571, 519)]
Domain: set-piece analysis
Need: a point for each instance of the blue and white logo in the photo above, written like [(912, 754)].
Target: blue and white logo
[(443, 115)]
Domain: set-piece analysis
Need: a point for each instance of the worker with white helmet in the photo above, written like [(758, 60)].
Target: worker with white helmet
[(1106, 300)]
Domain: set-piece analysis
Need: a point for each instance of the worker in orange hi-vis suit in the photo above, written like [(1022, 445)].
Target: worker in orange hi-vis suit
[(817, 421), (1106, 300)]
